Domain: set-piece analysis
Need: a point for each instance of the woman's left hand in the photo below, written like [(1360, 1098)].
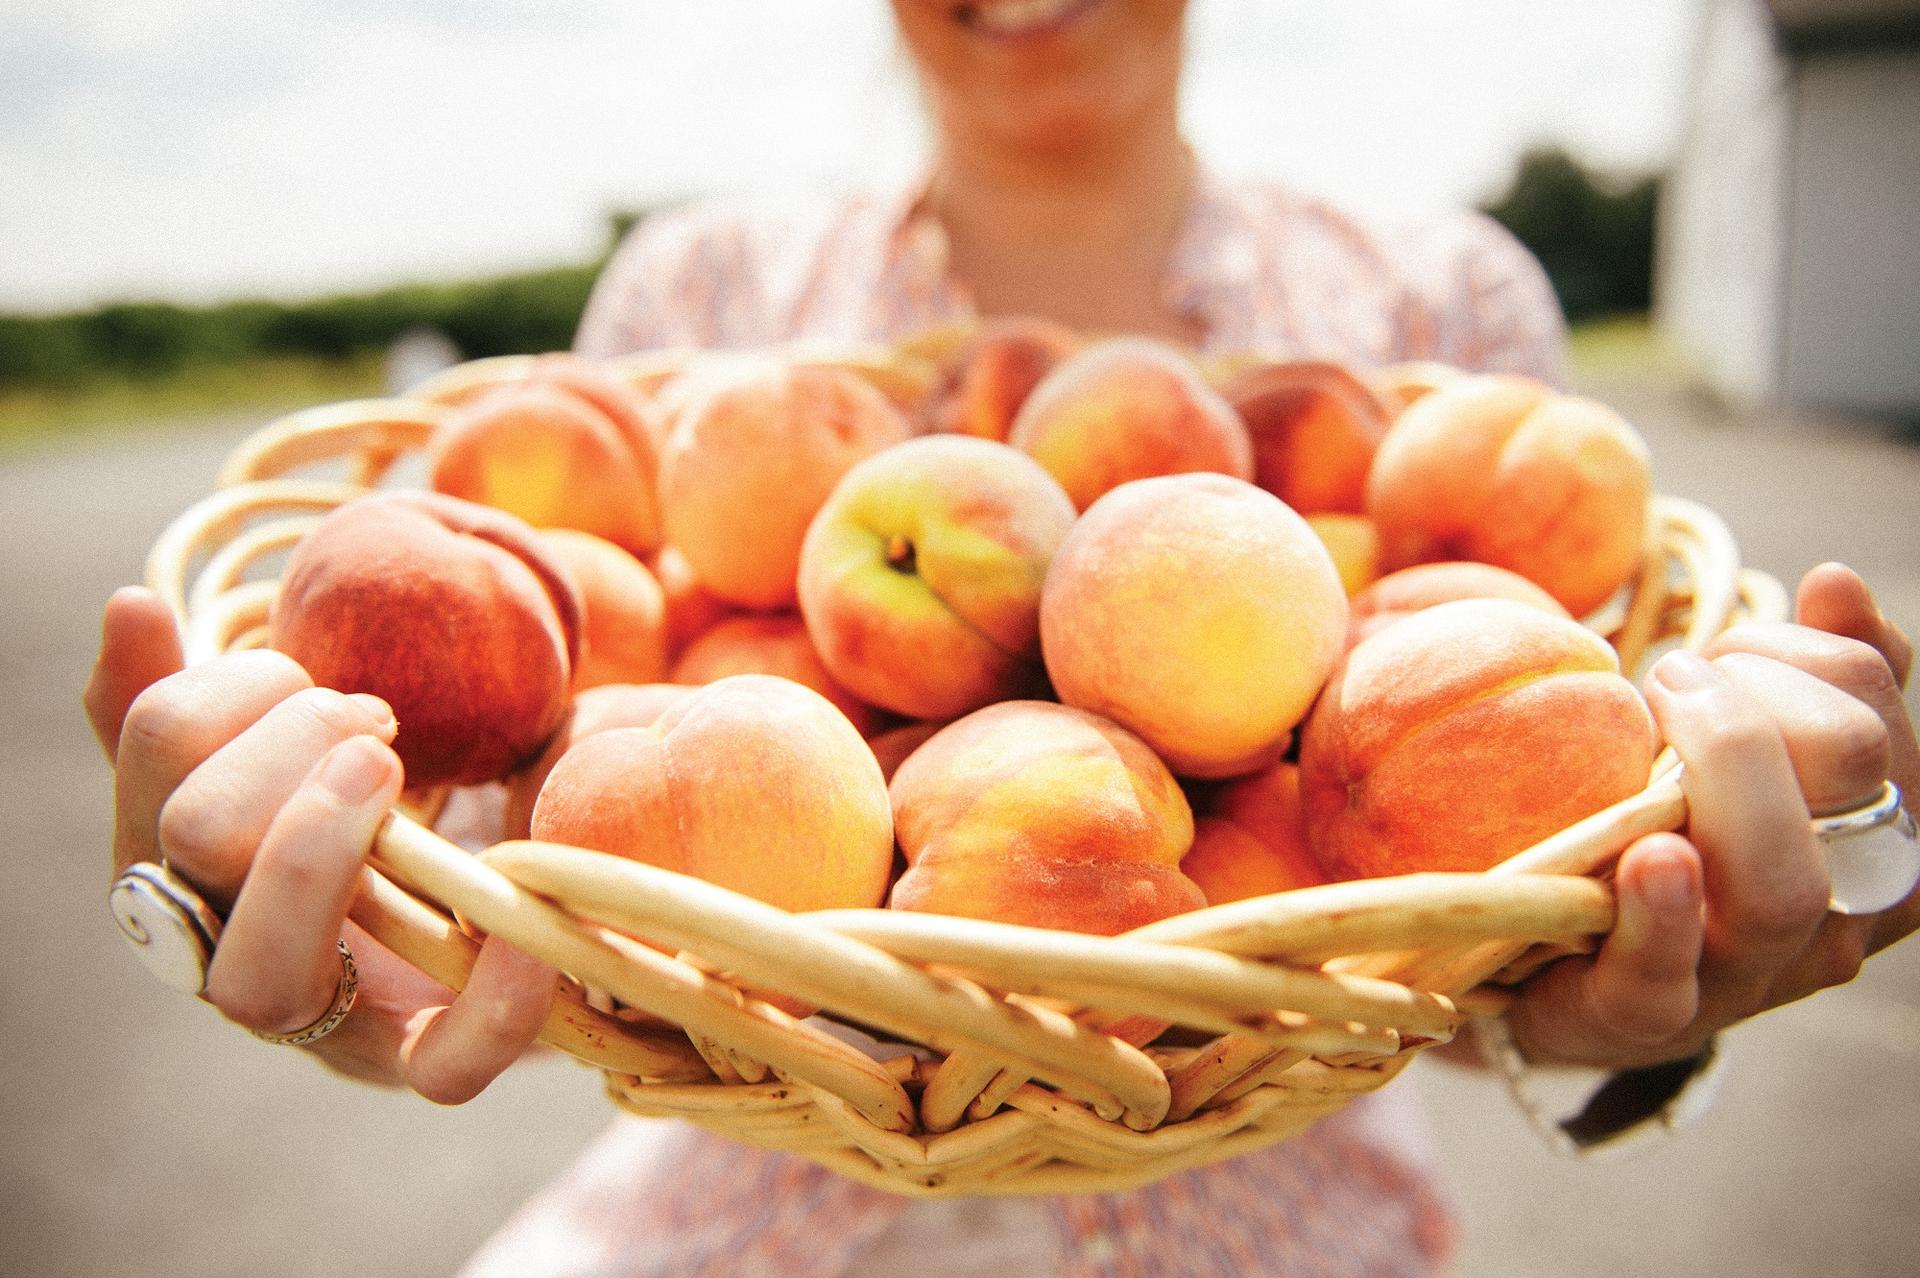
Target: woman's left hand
[(1730, 918)]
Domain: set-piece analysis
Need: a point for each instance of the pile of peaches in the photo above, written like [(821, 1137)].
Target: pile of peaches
[(1070, 633)]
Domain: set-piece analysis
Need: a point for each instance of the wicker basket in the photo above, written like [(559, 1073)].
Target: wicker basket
[(954, 1056)]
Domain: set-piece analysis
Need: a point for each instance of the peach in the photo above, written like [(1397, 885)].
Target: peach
[(903, 378), (1250, 839), (752, 457), (609, 705), (1197, 611), (754, 783), (1400, 594), (769, 644), (920, 578), (456, 614), (1465, 733), (1354, 543), (1124, 409), (1034, 813), (1403, 383), (1314, 427), (625, 611), (1505, 471), (691, 608), (894, 746), (984, 382), (651, 376), (565, 447)]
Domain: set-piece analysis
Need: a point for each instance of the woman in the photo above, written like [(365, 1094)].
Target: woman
[(1061, 187)]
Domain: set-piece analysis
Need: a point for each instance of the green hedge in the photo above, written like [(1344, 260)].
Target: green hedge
[(534, 311)]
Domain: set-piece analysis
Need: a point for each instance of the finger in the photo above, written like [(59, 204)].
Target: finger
[(1850, 665), (393, 995), (175, 725), (1838, 746), (1833, 598), (1633, 1001), (139, 646), (276, 967), (453, 1052), (1832, 957), (220, 814), (1766, 880)]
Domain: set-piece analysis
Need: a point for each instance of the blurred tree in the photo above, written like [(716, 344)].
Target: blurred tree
[(1593, 236)]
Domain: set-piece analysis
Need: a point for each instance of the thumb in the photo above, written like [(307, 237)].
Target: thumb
[(139, 646)]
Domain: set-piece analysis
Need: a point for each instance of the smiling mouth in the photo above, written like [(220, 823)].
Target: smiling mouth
[(1007, 18)]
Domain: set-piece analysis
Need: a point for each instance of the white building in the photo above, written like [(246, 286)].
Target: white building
[(1789, 255)]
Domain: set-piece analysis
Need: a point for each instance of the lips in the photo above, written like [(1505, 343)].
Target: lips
[(1011, 19)]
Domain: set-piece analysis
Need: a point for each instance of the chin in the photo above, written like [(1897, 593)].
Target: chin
[(1049, 75)]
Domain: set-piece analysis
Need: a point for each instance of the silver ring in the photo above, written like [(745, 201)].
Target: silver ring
[(1873, 853), (329, 1020), (170, 926), (175, 932)]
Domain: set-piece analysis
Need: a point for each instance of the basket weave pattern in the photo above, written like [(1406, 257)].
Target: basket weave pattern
[(952, 1055)]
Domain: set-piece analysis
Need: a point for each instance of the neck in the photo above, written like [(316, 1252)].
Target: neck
[(1080, 235), (1115, 187)]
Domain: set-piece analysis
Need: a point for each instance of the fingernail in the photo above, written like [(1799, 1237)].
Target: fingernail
[(1683, 671), (376, 709), (1669, 887), (355, 770)]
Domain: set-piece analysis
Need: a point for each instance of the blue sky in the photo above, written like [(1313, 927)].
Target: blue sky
[(204, 149)]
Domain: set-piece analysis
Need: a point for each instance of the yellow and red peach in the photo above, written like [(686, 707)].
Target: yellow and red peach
[(754, 783), (893, 746), (1034, 813), (1354, 543), (1314, 427), (625, 617), (1465, 733), (565, 447), (1125, 409), (691, 608), (1410, 380), (1400, 594), (984, 382), (457, 615), (920, 578), (1250, 839), (905, 379), (1197, 611), (609, 705), (769, 644), (751, 458), (1502, 470)]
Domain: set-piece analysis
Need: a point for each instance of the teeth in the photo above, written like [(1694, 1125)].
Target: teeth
[(1011, 17)]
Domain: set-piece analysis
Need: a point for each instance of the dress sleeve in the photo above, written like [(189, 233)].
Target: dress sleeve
[(681, 277), (624, 311), (1500, 314)]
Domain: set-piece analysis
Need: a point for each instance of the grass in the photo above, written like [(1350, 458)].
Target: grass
[(1619, 346), (266, 385)]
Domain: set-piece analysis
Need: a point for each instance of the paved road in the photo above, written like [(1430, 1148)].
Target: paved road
[(141, 1135)]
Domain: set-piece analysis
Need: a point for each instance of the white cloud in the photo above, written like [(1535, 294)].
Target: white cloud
[(207, 148), (1426, 103)]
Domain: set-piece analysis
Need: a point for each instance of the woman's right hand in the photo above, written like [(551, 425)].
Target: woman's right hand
[(266, 793)]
